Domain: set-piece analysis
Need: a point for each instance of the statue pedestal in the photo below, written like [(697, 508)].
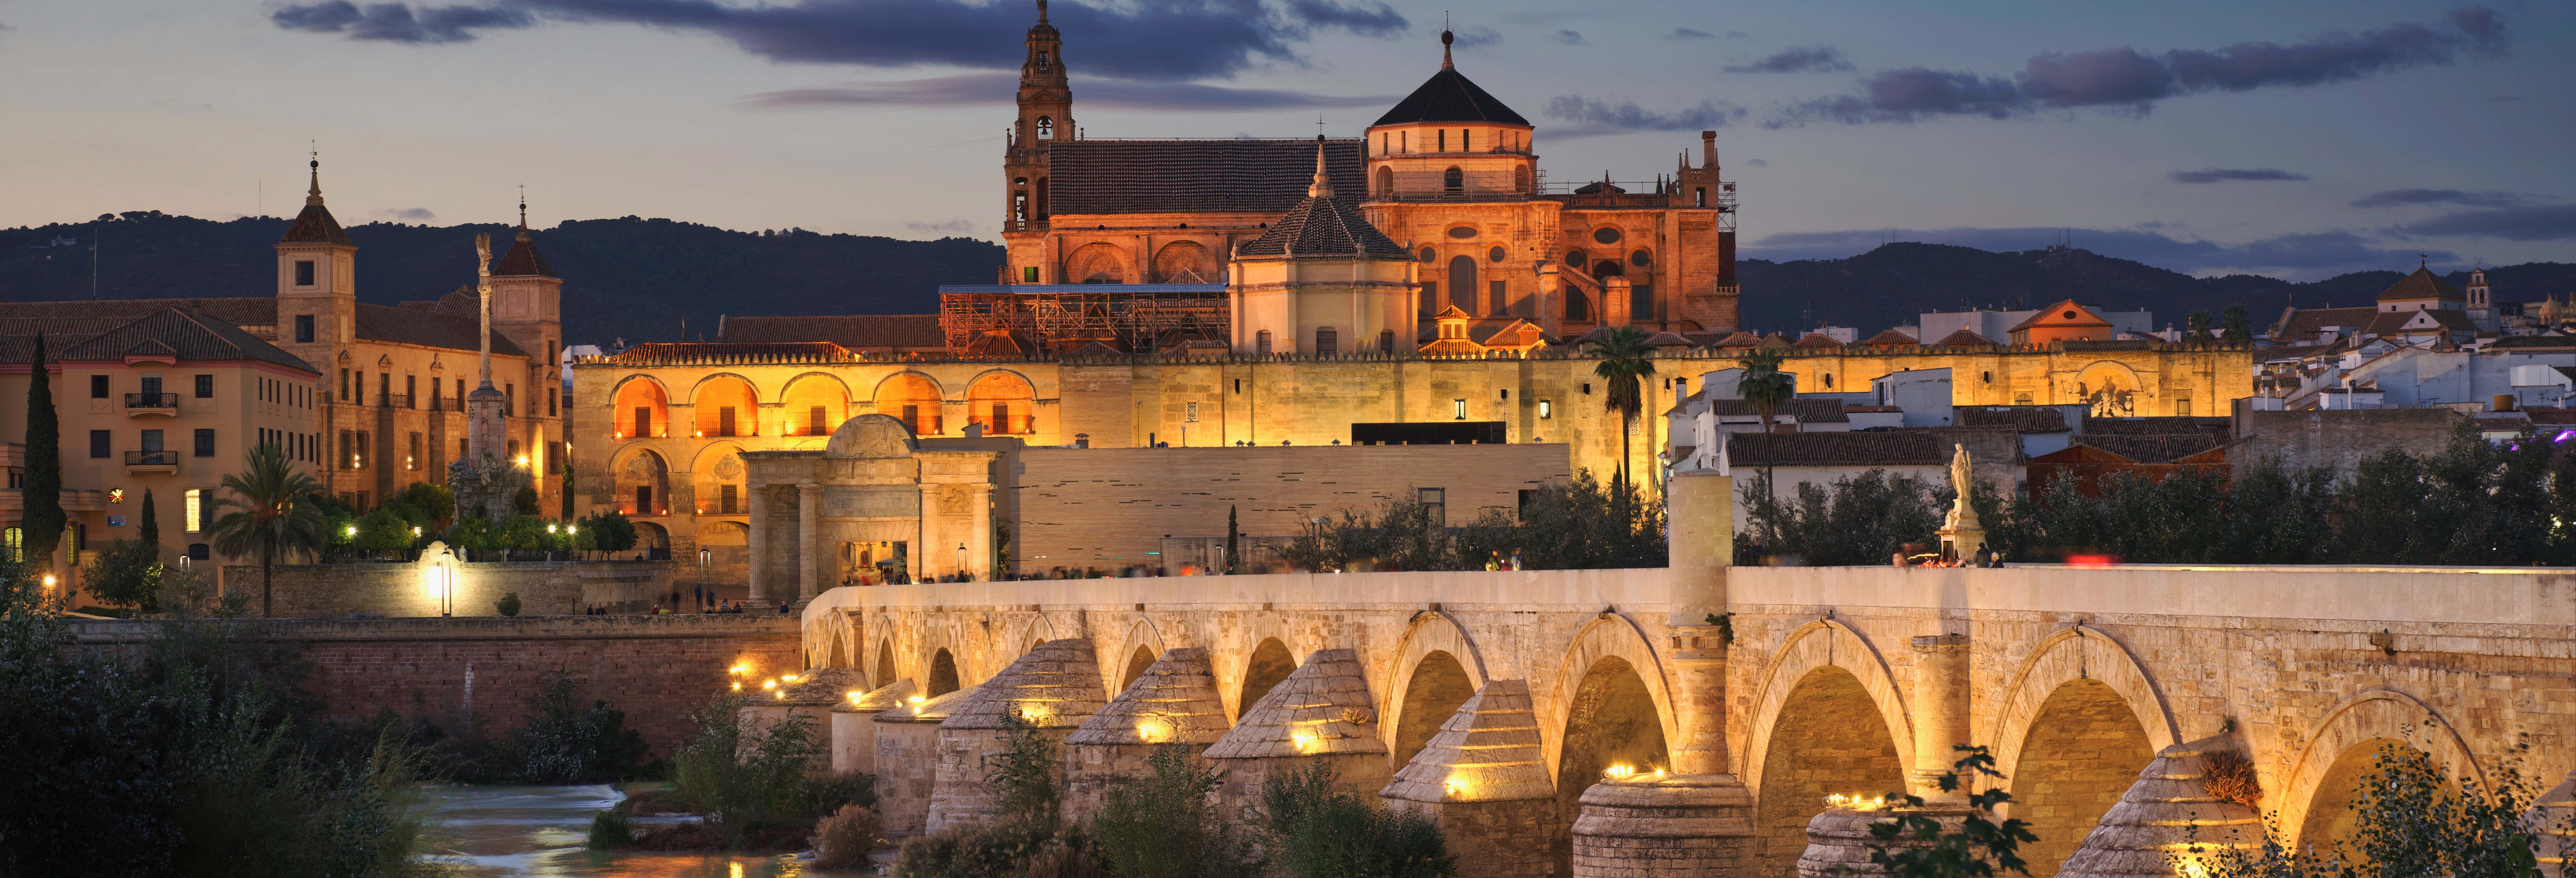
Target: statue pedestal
[(1960, 541)]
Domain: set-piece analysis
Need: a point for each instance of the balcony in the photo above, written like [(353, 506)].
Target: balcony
[(393, 400), (137, 462), (152, 404)]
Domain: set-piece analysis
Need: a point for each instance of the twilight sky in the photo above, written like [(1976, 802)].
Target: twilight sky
[(2298, 139)]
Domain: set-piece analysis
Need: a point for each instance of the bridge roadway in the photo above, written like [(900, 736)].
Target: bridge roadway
[(1852, 680)]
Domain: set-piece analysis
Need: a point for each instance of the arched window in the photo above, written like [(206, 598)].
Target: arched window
[(1019, 207), (1453, 180), (1327, 342), (1462, 284), (1261, 342), (1385, 181), (1046, 128), (1042, 60), (1521, 179), (1641, 258), (1386, 341)]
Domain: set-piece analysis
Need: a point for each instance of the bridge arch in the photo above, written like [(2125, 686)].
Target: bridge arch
[(1812, 735), (1607, 636), (1269, 650), (1437, 668), (2079, 721), (2078, 653), (1143, 641), (2341, 747), (1611, 706)]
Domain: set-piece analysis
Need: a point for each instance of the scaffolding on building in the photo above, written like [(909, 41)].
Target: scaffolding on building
[(1060, 318)]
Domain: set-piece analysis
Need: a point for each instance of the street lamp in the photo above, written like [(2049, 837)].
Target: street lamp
[(961, 559)]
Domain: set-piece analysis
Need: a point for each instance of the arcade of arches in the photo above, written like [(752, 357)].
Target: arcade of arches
[(2074, 684)]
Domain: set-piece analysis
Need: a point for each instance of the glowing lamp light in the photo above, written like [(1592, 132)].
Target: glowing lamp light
[(916, 704), (1619, 772), (1305, 741), (415, 531), (743, 668), (737, 685), (854, 696), (782, 694), (49, 582), (523, 460), (353, 530), (769, 684), (2191, 867), (1457, 786), (787, 678), (1152, 731), (550, 528)]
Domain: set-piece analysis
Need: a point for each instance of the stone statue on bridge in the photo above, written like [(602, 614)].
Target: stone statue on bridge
[(1960, 532)]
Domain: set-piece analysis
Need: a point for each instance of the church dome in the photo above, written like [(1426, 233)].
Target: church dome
[(1448, 96)]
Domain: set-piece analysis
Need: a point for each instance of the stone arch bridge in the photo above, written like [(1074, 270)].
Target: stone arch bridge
[(1500, 701)]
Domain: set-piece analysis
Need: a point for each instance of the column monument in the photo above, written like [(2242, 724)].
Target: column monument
[(485, 480)]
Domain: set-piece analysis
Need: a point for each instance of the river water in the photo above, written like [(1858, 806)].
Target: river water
[(487, 832)]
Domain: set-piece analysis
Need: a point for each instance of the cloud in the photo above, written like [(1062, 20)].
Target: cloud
[(2124, 81), (2538, 222), (1479, 38), (398, 22), (948, 228), (1756, 163), (1684, 33), (1798, 59), (419, 214), (2303, 254), (1595, 116), (1567, 37), (977, 89), (2403, 197), (1147, 40), (2217, 175)]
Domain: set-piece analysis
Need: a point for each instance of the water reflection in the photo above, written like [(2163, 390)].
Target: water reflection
[(501, 831)]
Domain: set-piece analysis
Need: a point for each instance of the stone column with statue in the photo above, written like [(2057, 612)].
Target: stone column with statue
[(486, 481), (1960, 531)]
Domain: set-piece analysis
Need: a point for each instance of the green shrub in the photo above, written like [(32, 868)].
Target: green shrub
[(740, 777), (1029, 838), (523, 532), (565, 743), (610, 830), (128, 573), (1316, 829), (383, 529), (826, 793), (1160, 825), (433, 500), (508, 605), (846, 838)]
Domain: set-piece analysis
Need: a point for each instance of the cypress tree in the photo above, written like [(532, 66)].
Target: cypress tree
[(149, 530), (1231, 564), (43, 486)]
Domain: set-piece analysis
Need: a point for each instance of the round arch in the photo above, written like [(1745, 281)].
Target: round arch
[(1430, 635), (1004, 401), (634, 395), (1099, 262), (643, 378), (1186, 262), (912, 397), (1114, 664), (1269, 661), (2077, 653), (942, 673), (697, 391), (2083, 752), (2368, 716), (816, 403), (2110, 387), (1608, 635), (643, 481), (718, 478), (1820, 644)]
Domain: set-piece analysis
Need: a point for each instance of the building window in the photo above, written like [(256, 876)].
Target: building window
[(411, 391), (344, 385), (80, 536), (1001, 417), (411, 460), (1029, 274), (1641, 258), (98, 387), (510, 400), (1989, 377), (1546, 409), (1327, 342), (303, 272), (205, 442), (728, 499), (151, 441), (13, 543), (1498, 298), (460, 394), (550, 401), (643, 499), (2021, 399), (1605, 235), (304, 328), (1458, 409), (1261, 342), (815, 421), (200, 552), (1453, 181), (2182, 403), (1046, 124), (1495, 254), (724, 421), (1190, 412), (1430, 295), (205, 387), (1462, 283), (437, 394), (192, 517), (1435, 503), (1699, 196), (100, 443), (1386, 341), (643, 421)]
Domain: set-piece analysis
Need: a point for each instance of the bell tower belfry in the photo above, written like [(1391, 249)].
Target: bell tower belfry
[(1046, 116)]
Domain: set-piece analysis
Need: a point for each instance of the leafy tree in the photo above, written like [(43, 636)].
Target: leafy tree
[(742, 774), (269, 518), (127, 573), (1233, 547), (433, 500), (566, 513), (508, 605), (1316, 829), (1626, 360), (1857, 520), (383, 530), (2411, 818), (1580, 524), (524, 502), (2278, 516), (609, 531), (43, 518), (2238, 327), (1765, 386), (523, 533), (2197, 325), (566, 743), (474, 534), (1915, 845)]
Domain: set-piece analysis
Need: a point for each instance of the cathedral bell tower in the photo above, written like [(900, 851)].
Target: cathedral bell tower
[(317, 282), (1046, 115)]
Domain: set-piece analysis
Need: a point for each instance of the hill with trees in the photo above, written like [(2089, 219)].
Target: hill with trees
[(634, 278)]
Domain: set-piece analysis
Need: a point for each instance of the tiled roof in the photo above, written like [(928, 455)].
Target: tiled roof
[(2054, 315), (1668, 340), (857, 332), (1889, 338), (1865, 448), (242, 311), (2551, 414), (2306, 322), (652, 353), (1449, 97), (1323, 226), (1806, 411), (187, 335), (2024, 418), (523, 259), (2420, 286), (427, 329), (1964, 337), (1741, 339), (1195, 176), (1776, 340), (2533, 341), (2152, 449), (2394, 322), (1817, 340), (314, 226), (2216, 428)]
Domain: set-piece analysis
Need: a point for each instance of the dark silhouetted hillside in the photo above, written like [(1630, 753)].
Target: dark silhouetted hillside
[(1890, 285), (629, 277)]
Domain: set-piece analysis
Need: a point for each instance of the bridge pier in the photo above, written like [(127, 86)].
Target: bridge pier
[(1055, 687), (1482, 780)]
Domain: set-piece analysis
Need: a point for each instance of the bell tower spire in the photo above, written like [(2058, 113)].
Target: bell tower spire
[(1045, 117)]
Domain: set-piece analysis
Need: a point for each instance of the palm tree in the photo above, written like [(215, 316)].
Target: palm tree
[(270, 517), (1764, 386), (1626, 360), (2238, 324), (2198, 322)]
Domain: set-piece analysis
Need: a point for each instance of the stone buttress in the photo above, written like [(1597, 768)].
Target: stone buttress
[(1054, 687), (907, 757), (1320, 715), (1174, 704), (854, 727), (1482, 778), (2163, 815)]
